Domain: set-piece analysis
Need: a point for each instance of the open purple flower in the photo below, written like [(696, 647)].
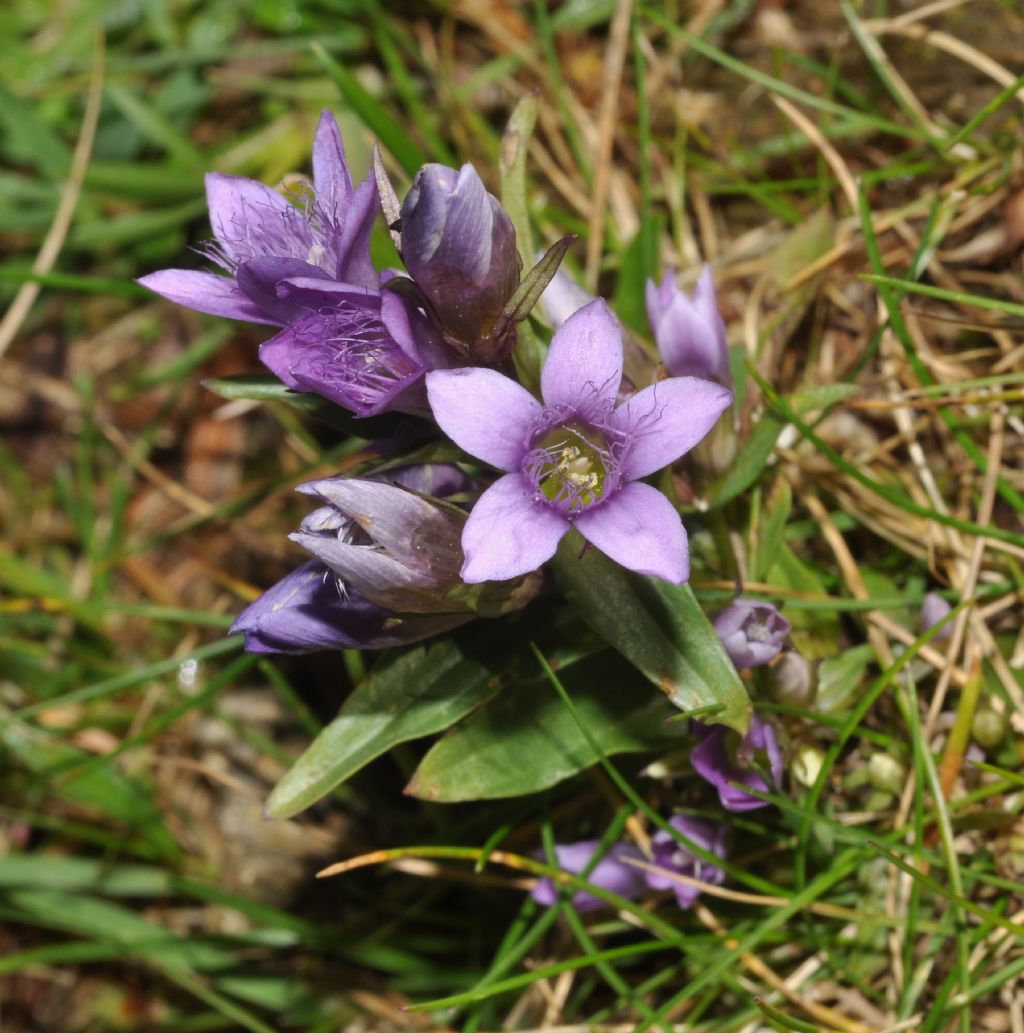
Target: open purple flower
[(610, 873), (688, 329), (576, 460), (751, 631), (262, 238), (365, 351), (719, 762), (459, 246), (668, 853)]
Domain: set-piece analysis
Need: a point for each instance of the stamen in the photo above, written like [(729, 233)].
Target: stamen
[(573, 465)]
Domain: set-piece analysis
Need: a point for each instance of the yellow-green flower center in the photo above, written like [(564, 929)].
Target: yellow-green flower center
[(570, 465)]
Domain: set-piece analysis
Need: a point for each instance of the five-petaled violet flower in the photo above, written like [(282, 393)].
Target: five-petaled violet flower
[(688, 329), (752, 631), (718, 759), (459, 246), (670, 855), (576, 459), (611, 873), (262, 238)]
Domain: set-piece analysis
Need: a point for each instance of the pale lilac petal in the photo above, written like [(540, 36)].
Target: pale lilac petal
[(638, 528), (584, 363), (205, 292), (562, 297), (484, 412), (611, 873), (507, 533), (331, 180), (250, 220), (666, 420)]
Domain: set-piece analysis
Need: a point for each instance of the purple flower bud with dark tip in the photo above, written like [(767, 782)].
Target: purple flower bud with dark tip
[(933, 609), (688, 329), (718, 759), (669, 854), (262, 237), (752, 631), (576, 459), (611, 873), (459, 246)]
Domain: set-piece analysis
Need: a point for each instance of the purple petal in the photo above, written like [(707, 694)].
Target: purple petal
[(331, 180), (752, 631), (412, 331), (639, 528), (509, 534), (610, 873), (206, 292), (484, 412), (562, 297), (688, 330), (250, 220), (671, 855), (666, 420), (316, 293), (584, 363), (712, 761), (354, 264), (933, 609), (258, 279)]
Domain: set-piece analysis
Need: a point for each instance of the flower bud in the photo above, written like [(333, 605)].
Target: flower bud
[(688, 329), (887, 773), (807, 764), (719, 759), (459, 246), (988, 727), (751, 631), (933, 609), (792, 680)]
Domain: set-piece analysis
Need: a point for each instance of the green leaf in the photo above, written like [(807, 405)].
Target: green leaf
[(514, 143), (815, 632), (753, 456), (411, 694), (840, 676), (660, 628), (527, 740)]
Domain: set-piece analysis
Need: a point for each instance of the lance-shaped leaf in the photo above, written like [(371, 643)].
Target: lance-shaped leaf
[(532, 286), (527, 740), (660, 628)]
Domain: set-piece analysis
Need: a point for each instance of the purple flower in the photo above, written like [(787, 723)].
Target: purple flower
[(688, 329), (610, 873), (576, 460), (459, 246), (751, 631), (933, 609), (712, 761), (262, 238), (362, 350), (668, 853)]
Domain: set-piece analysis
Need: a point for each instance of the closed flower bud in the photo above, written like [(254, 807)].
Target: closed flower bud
[(887, 773), (792, 680), (459, 246), (751, 631), (807, 764), (988, 727), (688, 329), (933, 609)]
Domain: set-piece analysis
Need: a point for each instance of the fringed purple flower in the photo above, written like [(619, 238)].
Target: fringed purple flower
[(610, 873), (576, 460), (669, 854), (753, 632), (459, 246), (362, 350), (688, 329), (261, 237), (717, 761)]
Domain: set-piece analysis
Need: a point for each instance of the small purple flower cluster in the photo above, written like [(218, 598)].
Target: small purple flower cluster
[(396, 555)]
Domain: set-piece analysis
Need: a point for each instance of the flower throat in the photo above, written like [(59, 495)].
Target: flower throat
[(572, 466)]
